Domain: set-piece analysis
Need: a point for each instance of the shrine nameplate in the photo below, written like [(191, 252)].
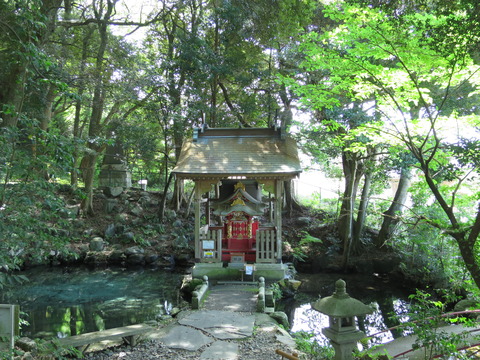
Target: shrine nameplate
[(237, 258), (208, 244)]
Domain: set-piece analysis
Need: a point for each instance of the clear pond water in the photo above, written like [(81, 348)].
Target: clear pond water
[(59, 302), (389, 301)]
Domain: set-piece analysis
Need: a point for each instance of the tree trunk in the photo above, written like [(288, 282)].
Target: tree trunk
[(97, 105), (89, 162), (77, 129), (161, 211), (291, 203), (467, 250), (390, 217), (359, 224), (351, 171)]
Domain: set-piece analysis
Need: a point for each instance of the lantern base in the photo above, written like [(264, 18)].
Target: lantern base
[(343, 342)]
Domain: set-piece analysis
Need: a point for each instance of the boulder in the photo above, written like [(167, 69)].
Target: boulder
[(293, 284), (113, 191), (178, 224), (170, 214), (127, 237), (304, 221), (120, 229), (136, 259), (87, 232), (134, 250), (116, 257), (26, 344), (109, 205), (96, 258), (137, 210), (97, 244), (121, 218), (180, 241), (71, 211), (281, 318), (110, 231), (151, 258), (466, 304)]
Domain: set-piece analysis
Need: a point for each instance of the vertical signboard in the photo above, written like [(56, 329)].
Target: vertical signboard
[(9, 325)]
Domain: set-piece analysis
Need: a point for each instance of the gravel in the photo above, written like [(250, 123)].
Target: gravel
[(260, 346)]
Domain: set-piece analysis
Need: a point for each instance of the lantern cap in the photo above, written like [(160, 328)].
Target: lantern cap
[(340, 304)]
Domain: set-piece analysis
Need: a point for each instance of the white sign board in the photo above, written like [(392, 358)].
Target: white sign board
[(208, 245), (9, 323)]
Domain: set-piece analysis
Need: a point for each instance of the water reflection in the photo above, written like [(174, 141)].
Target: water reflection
[(390, 306), (376, 324), (64, 302)]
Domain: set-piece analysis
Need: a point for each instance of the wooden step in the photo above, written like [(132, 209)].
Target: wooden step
[(129, 335)]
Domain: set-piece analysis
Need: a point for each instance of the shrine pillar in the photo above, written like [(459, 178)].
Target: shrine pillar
[(197, 200), (278, 217)]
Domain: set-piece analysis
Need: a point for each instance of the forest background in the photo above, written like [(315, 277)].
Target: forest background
[(372, 90)]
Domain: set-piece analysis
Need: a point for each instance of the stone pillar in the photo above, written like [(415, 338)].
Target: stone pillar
[(113, 172), (9, 325)]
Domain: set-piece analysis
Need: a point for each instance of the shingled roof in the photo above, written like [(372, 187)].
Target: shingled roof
[(248, 152)]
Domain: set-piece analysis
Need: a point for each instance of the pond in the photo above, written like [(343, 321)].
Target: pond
[(386, 299), (59, 302)]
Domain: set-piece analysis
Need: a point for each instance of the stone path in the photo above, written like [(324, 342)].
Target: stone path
[(223, 329), (227, 314), (232, 297)]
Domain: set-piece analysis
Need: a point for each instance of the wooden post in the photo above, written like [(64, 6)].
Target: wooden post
[(219, 218), (219, 244), (198, 199), (278, 217), (207, 210)]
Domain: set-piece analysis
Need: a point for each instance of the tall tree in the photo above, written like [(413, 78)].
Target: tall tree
[(413, 62), (26, 27)]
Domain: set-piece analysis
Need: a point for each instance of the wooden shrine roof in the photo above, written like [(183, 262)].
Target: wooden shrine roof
[(248, 152)]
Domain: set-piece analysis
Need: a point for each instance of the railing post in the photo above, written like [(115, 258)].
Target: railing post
[(219, 244), (261, 295)]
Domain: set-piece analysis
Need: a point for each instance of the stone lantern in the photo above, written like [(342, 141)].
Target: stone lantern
[(341, 309)]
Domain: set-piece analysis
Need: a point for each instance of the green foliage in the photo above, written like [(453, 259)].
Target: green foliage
[(53, 350), (306, 343), (276, 290), (382, 64), (299, 252), (35, 221), (426, 321)]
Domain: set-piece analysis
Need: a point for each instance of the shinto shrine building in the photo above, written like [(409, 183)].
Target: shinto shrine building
[(239, 177)]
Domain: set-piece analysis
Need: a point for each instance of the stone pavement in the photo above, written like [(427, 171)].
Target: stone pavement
[(227, 314)]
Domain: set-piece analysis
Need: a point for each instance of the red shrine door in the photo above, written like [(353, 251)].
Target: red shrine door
[(240, 236)]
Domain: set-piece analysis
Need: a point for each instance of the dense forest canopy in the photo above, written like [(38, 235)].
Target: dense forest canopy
[(390, 89)]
